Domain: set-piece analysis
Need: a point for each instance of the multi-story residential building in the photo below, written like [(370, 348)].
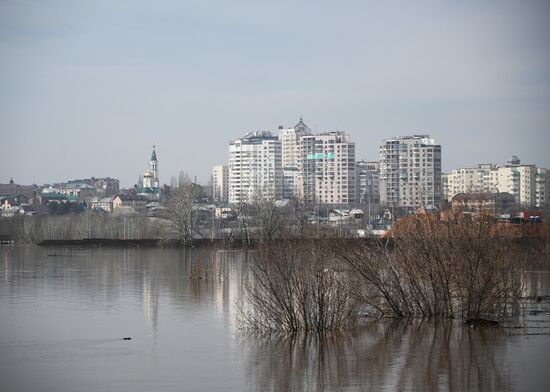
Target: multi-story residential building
[(255, 169), (73, 192), (540, 187), (220, 183), (291, 139), (410, 172), (305, 179), (445, 187), (334, 161), (526, 183), (518, 180), (468, 180), (367, 177), (106, 185)]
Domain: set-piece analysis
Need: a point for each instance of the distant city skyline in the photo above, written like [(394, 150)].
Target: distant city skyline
[(87, 88)]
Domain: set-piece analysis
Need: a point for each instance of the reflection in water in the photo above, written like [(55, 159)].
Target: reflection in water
[(62, 316), (387, 355)]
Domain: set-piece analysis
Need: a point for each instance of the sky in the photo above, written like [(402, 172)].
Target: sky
[(87, 87)]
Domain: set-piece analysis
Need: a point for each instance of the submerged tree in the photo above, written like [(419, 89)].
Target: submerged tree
[(457, 266), (297, 286)]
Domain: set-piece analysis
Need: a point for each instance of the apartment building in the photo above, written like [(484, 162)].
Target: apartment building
[(220, 183), (410, 172), (255, 169), (526, 183), (469, 180), (367, 182), (334, 161), (290, 157)]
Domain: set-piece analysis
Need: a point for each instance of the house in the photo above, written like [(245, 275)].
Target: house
[(74, 192), (137, 202), (339, 215), (8, 201), (492, 203), (105, 204)]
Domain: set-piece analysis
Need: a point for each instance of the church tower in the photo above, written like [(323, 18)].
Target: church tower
[(154, 168), (151, 183)]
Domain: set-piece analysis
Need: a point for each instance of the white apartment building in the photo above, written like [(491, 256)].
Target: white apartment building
[(526, 182), (220, 183), (468, 180), (306, 170), (540, 187), (519, 181), (255, 169), (290, 156), (334, 160), (410, 172)]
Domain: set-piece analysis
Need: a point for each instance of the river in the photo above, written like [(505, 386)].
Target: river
[(64, 314)]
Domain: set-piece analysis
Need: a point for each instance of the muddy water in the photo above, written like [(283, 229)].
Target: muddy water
[(64, 314)]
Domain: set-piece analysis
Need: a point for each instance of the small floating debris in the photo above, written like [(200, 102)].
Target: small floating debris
[(127, 338), (479, 322)]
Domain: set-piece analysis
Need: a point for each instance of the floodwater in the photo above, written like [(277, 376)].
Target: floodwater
[(64, 314)]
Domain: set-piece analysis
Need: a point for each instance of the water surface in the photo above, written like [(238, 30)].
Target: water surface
[(64, 312)]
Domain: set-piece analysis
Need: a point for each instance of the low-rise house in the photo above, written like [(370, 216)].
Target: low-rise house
[(27, 209), (75, 192), (137, 202), (29, 191), (8, 201), (105, 204), (339, 215), (486, 202)]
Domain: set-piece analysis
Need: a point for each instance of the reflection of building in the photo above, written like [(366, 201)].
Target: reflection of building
[(410, 172)]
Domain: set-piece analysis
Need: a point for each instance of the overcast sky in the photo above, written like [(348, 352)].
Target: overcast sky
[(86, 87)]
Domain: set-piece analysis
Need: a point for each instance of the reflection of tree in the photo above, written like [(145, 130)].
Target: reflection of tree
[(394, 355)]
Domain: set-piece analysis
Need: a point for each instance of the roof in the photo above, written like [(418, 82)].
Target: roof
[(302, 127), (132, 197), (483, 196)]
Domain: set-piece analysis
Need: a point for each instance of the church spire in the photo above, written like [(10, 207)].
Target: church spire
[(154, 154)]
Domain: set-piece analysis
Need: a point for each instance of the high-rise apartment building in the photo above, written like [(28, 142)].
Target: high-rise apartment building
[(517, 179), (540, 187), (296, 164), (334, 160), (410, 172), (367, 182), (255, 169), (290, 156), (220, 183)]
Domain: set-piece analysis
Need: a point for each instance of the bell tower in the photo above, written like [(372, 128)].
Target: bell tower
[(154, 167)]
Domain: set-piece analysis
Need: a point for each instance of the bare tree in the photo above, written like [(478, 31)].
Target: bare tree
[(183, 214), (184, 179), (296, 286), (459, 266)]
